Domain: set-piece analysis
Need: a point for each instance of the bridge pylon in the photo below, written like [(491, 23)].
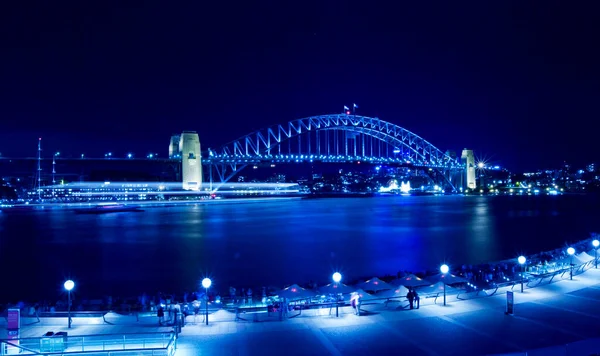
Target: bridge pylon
[(468, 159), (188, 150)]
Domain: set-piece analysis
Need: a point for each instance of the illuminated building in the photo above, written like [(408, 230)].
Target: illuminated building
[(468, 159), (191, 160)]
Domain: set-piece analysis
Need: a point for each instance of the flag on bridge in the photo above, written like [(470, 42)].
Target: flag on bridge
[(355, 106), (346, 108)]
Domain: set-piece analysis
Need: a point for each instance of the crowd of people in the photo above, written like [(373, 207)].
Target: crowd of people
[(169, 306)]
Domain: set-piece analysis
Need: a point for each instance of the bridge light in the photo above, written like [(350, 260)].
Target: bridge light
[(129, 155)]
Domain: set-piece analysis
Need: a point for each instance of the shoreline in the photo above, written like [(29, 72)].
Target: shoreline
[(140, 203), (25, 207), (474, 278)]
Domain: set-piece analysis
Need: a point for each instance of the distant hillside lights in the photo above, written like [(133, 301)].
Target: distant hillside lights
[(187, 147)]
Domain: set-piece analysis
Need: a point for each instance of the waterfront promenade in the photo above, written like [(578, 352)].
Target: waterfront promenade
[(546, 316)]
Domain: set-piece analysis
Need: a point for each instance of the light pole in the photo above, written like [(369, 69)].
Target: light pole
[(69, 285), (206, 282), (444, 269), (522, 261), (571, 252), (596, 243), (337, 277)]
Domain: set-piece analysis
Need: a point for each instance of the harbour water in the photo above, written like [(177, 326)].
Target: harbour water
[(277, 242)]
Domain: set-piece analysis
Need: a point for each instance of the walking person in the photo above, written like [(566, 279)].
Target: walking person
[(417, 299), (161, 315), (175, 315), (196, 310), (411, 298)]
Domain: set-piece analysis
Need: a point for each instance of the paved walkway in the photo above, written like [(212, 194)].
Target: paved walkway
[(549, 315)]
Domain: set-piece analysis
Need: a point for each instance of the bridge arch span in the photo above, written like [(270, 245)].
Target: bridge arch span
[(268, 141)]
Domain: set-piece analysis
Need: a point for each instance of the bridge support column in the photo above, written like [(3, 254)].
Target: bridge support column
[(469, 159), (191, 161)]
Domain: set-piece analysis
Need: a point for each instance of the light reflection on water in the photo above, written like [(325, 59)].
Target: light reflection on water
[(278, 242)]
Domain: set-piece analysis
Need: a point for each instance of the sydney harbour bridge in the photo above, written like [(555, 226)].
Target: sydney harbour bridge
[(328, 139), (334, 138)]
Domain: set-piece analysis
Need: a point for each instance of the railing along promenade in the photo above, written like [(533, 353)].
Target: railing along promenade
[(142, 344)]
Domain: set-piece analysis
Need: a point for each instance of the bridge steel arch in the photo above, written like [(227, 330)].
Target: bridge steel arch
[(265, 144)]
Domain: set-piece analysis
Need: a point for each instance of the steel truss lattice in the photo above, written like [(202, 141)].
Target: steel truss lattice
[(266, 145)]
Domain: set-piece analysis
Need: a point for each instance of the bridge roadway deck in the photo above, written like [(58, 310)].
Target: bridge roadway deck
[(549, 315)]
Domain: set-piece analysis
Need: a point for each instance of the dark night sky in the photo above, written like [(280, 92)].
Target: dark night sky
[(517, 82)]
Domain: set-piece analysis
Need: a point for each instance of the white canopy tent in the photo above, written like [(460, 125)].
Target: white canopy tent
[(364, 296), (447, 278), (437, 288), (584, 256), (336, 288), (295, 292), (400, 291), (577, 260), (375, 284), (411, 281)]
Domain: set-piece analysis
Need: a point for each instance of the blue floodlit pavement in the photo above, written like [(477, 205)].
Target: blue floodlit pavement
[(550, 315)]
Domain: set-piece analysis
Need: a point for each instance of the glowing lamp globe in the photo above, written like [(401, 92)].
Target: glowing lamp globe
[(596, 243), (337, 277), (69, 285), (206, 282), (521, 260), (444, 269), (571, 251)]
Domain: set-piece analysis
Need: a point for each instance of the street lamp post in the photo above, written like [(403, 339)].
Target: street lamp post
[(571, 252), (69, 285), (596, 243), (206, 282), (444, 269), (337, 277), (522, 261)]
